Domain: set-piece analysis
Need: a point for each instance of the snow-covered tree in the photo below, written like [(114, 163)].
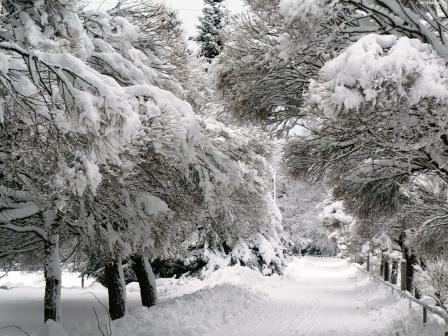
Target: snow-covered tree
[(60, 120), (424, 20), (373, 136), (338, 225), (211, 24), (143, 201), (300, 204), (238, 221), (274, 50), (203, 175), (376, 133), (423, 212), (432, 281)]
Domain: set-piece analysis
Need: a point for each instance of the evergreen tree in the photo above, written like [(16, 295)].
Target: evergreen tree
[(210, 28)]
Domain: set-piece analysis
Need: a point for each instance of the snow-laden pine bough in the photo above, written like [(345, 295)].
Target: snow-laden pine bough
[(265, 78)]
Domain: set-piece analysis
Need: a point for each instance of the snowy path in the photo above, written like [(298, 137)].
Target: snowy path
[(315, 297), (318, 296), (327, 297)]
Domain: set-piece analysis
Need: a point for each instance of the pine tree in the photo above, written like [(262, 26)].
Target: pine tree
[(210, 28)]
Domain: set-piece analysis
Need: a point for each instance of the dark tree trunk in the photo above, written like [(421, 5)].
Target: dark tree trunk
[(417, 294), (382, 265), (411, 260), (368, 262), (414, 261), (386, 270), (116, 288), (52, 272), (145, 276), (423, 266), (394, 274)]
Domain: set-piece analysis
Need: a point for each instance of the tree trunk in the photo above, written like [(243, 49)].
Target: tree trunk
[(382, 265), (386, 270), (411, 260), (403, 268), (52, 271), (116, 288), (422, 263), (403, 262), (145, 276), (394, 274)]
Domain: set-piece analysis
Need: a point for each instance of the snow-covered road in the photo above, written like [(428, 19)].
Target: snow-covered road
[(322, 296), (315, 297)]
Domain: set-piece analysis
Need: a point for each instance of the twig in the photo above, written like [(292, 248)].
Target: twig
[(15, 327), (108, 326)]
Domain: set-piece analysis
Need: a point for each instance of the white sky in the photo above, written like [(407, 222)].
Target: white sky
[(189, 10)]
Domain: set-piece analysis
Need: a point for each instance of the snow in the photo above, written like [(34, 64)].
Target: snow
[(305, 9), (267, 252), (4, 64), (25, 87), (362, 71), (52, 328), (335, 212), (2, 109), (93, 175), (314, 297), (23, 210), (17, 279), (153, 205)]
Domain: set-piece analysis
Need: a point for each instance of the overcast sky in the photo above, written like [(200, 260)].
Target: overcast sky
[(190, 10)]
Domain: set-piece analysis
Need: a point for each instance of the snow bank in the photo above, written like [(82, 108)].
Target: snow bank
[(209, 309), (314, 297), (52, 328), (199, 307), (404, 318), (16, 279)]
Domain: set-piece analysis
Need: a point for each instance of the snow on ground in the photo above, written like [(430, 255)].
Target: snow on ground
[(315, 297)]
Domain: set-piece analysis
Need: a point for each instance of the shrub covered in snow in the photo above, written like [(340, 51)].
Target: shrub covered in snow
[(432, 280)]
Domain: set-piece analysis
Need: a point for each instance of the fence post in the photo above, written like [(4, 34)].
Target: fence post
[(403, 268), (368, 261), (425, 315)]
